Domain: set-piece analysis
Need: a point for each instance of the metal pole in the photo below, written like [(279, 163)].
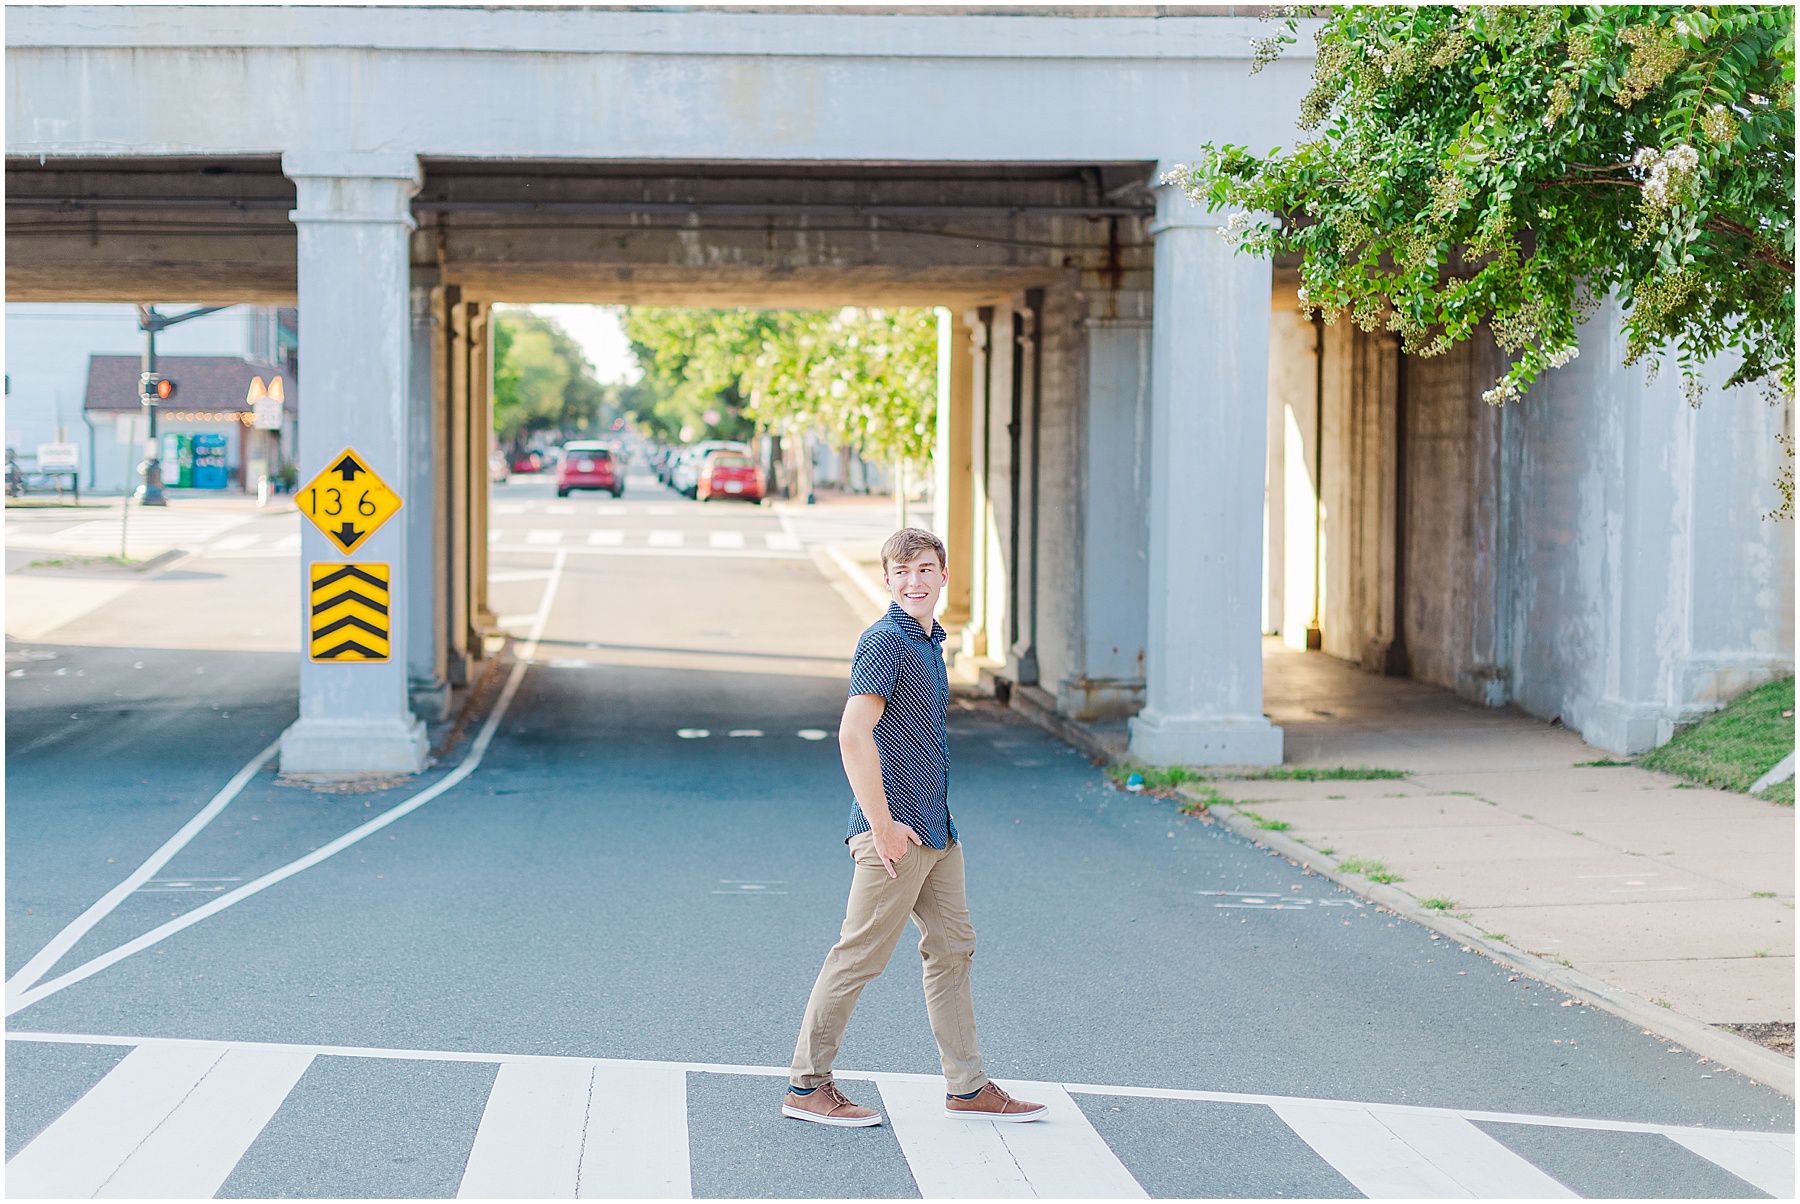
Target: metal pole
[(151, 492)]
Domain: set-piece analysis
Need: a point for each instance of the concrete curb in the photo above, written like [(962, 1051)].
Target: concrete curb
[(1725, 1048)]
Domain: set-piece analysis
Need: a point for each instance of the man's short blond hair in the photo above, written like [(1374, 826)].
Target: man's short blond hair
[(908, 544)]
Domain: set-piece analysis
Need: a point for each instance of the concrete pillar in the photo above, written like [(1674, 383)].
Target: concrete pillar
[(481, 446), (353, 218), (428, 688), (1294, 420), (1114, 510), (1209, 406), (953, 489), (979, 324)]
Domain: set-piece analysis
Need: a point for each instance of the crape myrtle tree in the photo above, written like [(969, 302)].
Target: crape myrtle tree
[(1512, 166), (867, 378)]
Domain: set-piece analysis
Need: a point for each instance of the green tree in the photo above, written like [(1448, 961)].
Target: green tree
[(1511, 166), (542, 381), (867, 376)]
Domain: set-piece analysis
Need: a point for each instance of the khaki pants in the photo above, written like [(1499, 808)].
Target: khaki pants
[(930, 890)]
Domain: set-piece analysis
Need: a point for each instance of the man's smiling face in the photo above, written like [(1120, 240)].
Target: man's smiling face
[(915, 585)]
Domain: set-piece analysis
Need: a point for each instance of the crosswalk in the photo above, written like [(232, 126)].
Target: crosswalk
[(146, 531), (175, 1117), (653, 542)]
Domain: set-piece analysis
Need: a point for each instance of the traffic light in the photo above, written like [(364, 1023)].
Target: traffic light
[(155, 387)]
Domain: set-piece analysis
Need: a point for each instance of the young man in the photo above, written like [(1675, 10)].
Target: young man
[(908, 860)]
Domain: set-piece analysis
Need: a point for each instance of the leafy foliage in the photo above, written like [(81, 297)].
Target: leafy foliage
[(1511, 165), (868, 376), (542, 381)]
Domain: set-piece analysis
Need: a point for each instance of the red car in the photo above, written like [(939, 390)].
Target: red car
[(729, 474), (589, 466), (528, 461)]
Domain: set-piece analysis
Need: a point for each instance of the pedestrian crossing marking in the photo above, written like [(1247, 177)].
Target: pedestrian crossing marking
[(605, 538), (167, 1121), (666, 539), (176, 1115), (725, 539), (1405, 1156), (543, 536), (348, 608)]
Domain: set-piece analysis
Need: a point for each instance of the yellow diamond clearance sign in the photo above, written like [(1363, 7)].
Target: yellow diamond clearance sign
[(348, 502)]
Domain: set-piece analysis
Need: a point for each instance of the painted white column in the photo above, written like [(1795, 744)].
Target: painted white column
[(1209, 396), (353, 219)]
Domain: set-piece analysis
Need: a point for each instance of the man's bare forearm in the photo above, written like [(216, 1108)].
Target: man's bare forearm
[(862, 765)]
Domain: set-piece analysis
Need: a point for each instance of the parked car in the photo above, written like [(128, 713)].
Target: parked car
[(684, 474), (729, 474), (590, 465), (527, 461)]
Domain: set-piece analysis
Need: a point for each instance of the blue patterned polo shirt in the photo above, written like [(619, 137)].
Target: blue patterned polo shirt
[(897, 660)]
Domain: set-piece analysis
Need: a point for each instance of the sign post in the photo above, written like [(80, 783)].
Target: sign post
[(349, 613)]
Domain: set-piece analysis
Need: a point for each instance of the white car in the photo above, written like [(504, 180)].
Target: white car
[(685, 476)]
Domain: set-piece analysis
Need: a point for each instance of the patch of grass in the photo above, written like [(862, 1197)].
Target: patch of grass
[(1158, 779), (1191, 805), (1762, 894), (1266, 824), (1733, 748), (1495, 936), (83, 562), (1342, 773), (1329, 852), (1371, 869), (1602, 763), (1761, 952), (1440, 904)]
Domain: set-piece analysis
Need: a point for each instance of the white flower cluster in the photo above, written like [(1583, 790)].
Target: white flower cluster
[(1504, 390), (1671, 173), (1235, 227), (1562, 355)]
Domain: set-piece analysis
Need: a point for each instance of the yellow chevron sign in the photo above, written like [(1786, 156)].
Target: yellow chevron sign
[(348, 612)]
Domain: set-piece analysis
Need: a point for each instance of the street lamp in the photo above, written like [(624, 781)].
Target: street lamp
[(153, 389)]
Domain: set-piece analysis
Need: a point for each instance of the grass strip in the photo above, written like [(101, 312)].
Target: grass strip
[(1734, 747)]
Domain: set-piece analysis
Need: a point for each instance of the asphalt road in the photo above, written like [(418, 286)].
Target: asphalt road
[(610, 883)]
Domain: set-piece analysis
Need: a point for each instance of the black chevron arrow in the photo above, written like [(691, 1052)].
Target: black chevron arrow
[(350, 621), (350, 646), (345, 535), (347, 467), (350, 570), (349, 595)]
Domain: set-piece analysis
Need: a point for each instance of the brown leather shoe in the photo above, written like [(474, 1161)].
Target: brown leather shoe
[(826, 1105), (991, 1103)]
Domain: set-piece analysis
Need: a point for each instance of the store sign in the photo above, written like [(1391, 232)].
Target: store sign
[(265, 402), (58, 457)]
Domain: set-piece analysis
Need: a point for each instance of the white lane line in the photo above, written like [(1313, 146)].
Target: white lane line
[(543, 536), (472, 761), (666, 539), (1779, 1139), (511, 575), (782, 541), (529, 1142), (628, 550), (1752, 1157), (559, 509), (1063, 1156), (62, 942), (637, 1134), (949, 1159), (725, 539), (606, 539), (232, 543), (166, 1122)]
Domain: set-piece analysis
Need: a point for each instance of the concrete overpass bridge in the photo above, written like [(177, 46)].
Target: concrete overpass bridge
[(1147, 458)]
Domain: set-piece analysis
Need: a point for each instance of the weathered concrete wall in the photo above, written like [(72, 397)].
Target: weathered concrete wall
[(1649, 589), (1453, 563), (1357, 599)]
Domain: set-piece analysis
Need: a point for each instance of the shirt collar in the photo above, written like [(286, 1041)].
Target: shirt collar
[(913, 627)]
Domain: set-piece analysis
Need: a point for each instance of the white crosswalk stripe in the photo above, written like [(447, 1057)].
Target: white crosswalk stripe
[(175, 1117), (605, 539), (1416, 1156), (544, 536), (170, 1121), (666, 539), (725, 539), (144, 528)]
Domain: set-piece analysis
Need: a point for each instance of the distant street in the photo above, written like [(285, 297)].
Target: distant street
[(581, 969)]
